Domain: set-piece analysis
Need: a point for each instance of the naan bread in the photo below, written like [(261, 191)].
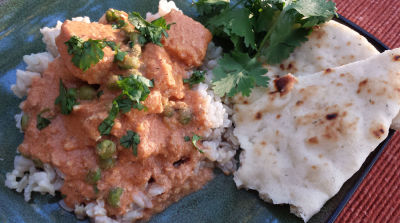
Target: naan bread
[(330, 45), (304, 137)]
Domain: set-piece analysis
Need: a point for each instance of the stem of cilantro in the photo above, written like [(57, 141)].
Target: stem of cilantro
[(266, 37)]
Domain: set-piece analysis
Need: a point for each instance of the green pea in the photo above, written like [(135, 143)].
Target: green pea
[(128, 29), (112, 82), (129, 62), (24, 122), (87, 92), (112, 15), (185, 116), (93, 176), (107, 163), (106, 149), (114, 196), (168, 111)]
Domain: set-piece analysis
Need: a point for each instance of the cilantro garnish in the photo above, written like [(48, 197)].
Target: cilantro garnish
[(107, 124), (119, 55), (130, 140), (186, 138), (85, 53), (42, 122), (196, 78), (195, 139), (149, 32), (237, 72), (112, 45), (66, 99), (135, 89), (258, 30)]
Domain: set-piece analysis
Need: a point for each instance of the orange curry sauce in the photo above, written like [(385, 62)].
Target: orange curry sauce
[(69, 142)]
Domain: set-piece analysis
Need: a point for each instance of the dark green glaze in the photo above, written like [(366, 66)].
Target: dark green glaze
[(20, 22)]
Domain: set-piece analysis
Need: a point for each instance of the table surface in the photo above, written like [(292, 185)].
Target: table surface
[(378, 197)]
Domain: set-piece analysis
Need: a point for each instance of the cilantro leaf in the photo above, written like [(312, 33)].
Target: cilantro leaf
[(292, 26), (124, 104), (66, 99), (119, 55), (149, 32), (42, 122), (186, 138), (195, 139), (315, 11), (112, 45), (237, 72), (257, 30), (236, 22), (107, 124), (85, 53), (284, 39), (196, 78), (135, 89), (130, 140)]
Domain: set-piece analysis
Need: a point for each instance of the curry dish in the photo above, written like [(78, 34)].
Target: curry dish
[(97, 166)]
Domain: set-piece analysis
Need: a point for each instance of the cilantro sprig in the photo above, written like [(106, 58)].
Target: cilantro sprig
[(85, 53), (149, 31), (130, 140), (135, 89), (66, 99), (196, 78), (257, 30)]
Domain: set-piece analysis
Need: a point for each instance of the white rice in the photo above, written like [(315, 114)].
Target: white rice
[(24, 81), (28, 178), (164, 7), (219, 143)]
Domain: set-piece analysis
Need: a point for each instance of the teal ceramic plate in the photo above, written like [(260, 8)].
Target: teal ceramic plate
[(219, 201)]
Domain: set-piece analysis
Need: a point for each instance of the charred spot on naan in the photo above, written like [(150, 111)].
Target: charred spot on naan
[(258, 116), (284, 85), (330, 125), (331, 116), (298, 103), (378, 130), (313, 140), (362, 85), (328, 71)]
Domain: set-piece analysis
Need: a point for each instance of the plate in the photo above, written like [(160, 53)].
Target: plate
[(219, 201)]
